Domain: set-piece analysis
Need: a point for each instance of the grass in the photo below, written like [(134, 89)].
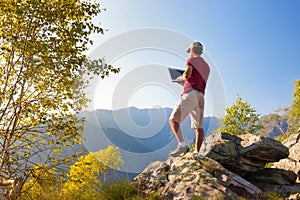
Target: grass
[(118, 190), (124, 190)]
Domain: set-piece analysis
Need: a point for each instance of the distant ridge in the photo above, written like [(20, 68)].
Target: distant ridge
[(113, 124), (142, 135)]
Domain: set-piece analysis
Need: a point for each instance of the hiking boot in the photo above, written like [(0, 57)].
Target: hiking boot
[(199, 157), (195, 152), (180, 150)]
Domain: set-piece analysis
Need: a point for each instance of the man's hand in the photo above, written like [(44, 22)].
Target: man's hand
[(180, 80)]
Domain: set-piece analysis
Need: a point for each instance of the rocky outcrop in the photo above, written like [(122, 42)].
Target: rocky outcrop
[(272, 176), (244, 154), (187, 177), (232, 167), (292, 162)]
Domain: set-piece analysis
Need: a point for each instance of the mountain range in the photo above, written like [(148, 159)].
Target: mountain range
[(142, 135), (141, 130)]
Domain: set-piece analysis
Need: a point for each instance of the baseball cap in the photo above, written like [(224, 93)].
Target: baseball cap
[(195, 45)]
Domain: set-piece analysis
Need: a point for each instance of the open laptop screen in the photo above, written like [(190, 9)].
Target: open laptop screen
[(175, 73)]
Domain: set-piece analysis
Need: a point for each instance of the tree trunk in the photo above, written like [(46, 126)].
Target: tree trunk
[(12, 189)]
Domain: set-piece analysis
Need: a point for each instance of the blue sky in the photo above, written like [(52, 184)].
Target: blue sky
[(255, 46)]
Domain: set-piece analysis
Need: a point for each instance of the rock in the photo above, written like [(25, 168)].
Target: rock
[(286, 191), (185, 177), (233, 168), (245, 154), (262, 148), (272, 176), (293, 161)]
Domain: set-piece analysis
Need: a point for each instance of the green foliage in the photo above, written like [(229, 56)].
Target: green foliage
[(43, 184), (124, 190), (82, 182), (109, 157), (197, 198), (240, 118), (119, 190), (154, 196), (43, 73), (84, 176), (272, 196), (294, 112), (269, 165)]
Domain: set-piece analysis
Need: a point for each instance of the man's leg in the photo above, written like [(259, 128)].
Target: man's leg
[(178, 115), (182, 147), (199, 138), (175, 126), (197, 120)]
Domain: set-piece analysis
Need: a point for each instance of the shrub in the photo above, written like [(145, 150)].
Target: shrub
[(118, 190)]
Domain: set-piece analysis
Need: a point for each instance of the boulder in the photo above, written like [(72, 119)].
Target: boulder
[(245, 154), (187, 177), (290, 192), (293, 161), (232, 168), (272, 176)]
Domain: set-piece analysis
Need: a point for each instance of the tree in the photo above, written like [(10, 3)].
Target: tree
[(43, 74), (44, 183), (294, 112), (82, 181), (240, 118), (84, 176)]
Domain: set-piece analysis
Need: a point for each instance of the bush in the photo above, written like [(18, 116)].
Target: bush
[(118, 190)]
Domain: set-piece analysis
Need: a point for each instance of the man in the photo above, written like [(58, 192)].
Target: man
[(194, 81)]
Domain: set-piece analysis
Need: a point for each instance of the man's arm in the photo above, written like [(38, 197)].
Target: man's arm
[(188, 72)]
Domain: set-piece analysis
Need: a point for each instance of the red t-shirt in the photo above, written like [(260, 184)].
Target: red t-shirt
[(199, 76)]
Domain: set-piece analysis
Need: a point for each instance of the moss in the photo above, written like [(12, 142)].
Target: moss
[(272, 196)]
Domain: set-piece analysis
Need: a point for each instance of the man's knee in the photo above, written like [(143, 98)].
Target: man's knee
[(173, 122)]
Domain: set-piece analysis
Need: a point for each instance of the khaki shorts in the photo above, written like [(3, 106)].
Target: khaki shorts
[(191, 103)]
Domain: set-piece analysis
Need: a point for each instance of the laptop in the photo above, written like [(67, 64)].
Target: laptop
[(175, 73)]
